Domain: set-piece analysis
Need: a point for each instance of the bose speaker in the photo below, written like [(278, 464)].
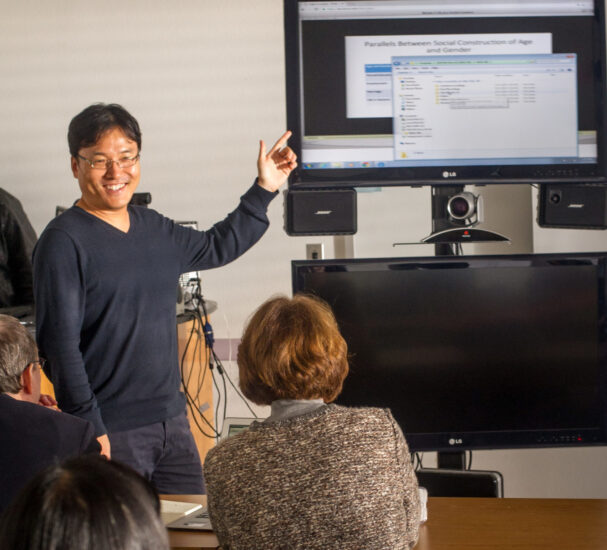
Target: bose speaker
[(573, 206), (320, 212)]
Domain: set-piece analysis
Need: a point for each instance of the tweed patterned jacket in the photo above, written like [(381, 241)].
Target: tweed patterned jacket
[(335, 478)]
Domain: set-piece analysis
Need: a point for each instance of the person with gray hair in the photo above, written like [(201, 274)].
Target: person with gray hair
[(19, 362), (31, 436)]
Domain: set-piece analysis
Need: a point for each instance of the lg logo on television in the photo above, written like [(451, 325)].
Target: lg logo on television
[(456, 441), (447, 174)]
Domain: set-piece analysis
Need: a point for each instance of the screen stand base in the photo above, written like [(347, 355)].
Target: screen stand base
[(451, 460), (452, 479)]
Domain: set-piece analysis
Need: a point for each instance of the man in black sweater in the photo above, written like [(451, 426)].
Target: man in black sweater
[(32, 435), (105, 274)]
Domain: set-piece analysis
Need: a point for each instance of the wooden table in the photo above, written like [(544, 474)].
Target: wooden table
[(486, 524), (514, 523), (179, 538)]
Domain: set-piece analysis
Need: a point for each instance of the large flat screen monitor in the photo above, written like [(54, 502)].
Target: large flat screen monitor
[(408, 92), (476, 352)]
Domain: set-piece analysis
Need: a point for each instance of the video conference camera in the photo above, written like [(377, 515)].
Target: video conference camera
[(465, 207)]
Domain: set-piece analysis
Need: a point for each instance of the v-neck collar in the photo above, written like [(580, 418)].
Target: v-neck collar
[(108, 224)]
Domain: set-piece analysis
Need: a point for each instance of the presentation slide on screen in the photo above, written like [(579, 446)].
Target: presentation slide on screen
[(449, 107), (369, 61)]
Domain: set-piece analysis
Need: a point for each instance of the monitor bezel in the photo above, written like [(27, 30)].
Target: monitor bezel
[(440, 175), (500, 439)]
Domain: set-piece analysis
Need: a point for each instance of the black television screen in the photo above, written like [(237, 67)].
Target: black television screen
[(474, 352), (409, 92)]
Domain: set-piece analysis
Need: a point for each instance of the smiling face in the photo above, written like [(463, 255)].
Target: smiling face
[(107, 190)]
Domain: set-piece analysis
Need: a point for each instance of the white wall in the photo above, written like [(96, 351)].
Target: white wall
[(204, 79), (206, 82)]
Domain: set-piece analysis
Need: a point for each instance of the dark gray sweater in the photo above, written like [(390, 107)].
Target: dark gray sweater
[(335, 478), (105, 306)]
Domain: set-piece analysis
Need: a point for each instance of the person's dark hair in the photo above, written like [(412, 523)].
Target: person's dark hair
[(17, 350), (89, 125), (85, 503), (292, 349)]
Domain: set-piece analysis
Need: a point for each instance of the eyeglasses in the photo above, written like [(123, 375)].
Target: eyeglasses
[(106, 164), (41, 361)]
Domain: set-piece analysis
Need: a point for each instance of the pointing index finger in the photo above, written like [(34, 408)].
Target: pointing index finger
[(282, 141)]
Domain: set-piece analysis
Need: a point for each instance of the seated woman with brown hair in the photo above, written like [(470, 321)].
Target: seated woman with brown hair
[(313, 474)]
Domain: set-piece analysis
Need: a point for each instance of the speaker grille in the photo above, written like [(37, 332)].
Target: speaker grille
[(324, 212), (573, 206)]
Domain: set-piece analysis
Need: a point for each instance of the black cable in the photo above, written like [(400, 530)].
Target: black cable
[(196, 413), (218, 396), (207, 365), (191, 400), (202, 328), (225, 401), (195, 330), (225, 393), (202, 305), (244, 399), (209, 340), (194, 409)]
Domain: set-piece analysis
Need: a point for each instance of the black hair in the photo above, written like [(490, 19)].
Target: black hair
[(86, 502), (88, 126)]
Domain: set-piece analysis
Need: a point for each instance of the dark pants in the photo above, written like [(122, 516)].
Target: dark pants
[(164, 453)]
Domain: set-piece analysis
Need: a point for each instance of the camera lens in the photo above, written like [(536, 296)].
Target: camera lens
[(461, 206)]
